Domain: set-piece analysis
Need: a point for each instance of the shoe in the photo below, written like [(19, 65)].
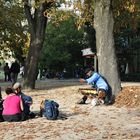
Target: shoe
[(32, 115), (95, 102), (101, 101), (81, 101)]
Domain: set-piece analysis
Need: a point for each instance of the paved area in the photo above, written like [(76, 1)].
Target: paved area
[(51, 83)]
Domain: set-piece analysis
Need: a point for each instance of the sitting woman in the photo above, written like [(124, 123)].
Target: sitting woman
[(12, 106)]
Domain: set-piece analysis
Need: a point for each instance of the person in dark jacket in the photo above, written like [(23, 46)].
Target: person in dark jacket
[(7, 72), (15, 69)]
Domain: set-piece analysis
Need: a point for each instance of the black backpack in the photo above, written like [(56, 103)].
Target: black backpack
[(51, 111)]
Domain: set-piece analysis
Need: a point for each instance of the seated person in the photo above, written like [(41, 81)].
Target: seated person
[(27, 101), (12, 106), (1, 107), (96, 81)]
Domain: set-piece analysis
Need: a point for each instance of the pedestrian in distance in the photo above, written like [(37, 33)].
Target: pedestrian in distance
[(15, 69), (6, 72)]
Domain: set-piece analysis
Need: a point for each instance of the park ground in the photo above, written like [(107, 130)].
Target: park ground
[(120, 121)]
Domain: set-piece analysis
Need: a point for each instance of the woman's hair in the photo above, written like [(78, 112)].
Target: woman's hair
[(9, 90)]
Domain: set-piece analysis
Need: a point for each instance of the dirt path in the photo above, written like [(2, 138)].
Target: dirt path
[(76, 122)]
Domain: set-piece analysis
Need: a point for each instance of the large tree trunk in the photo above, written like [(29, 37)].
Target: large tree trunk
[(31, 65), (107, 60), (37, 24)]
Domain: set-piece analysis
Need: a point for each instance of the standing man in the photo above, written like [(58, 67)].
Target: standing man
[(7, 72), (15, 69), (96, 81)]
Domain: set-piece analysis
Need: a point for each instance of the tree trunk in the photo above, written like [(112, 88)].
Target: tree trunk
[(37, 25), (31, 65), (107, 60)]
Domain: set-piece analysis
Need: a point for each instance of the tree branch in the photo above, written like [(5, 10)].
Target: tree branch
[(30, 19)]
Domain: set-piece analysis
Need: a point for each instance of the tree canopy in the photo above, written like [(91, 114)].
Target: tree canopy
[(62, 46), (13, 29)]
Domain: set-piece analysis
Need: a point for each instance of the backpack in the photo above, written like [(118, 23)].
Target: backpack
[(27, 100), (51, 111)]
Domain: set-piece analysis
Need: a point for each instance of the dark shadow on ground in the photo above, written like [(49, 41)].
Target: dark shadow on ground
[(62, 115)]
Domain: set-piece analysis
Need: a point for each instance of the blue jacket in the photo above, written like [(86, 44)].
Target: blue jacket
[(97, 80), (27, 100)]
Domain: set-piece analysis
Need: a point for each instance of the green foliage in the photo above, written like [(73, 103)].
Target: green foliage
[(12, 35), (62, 46), (127, 37), (126, 14)]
